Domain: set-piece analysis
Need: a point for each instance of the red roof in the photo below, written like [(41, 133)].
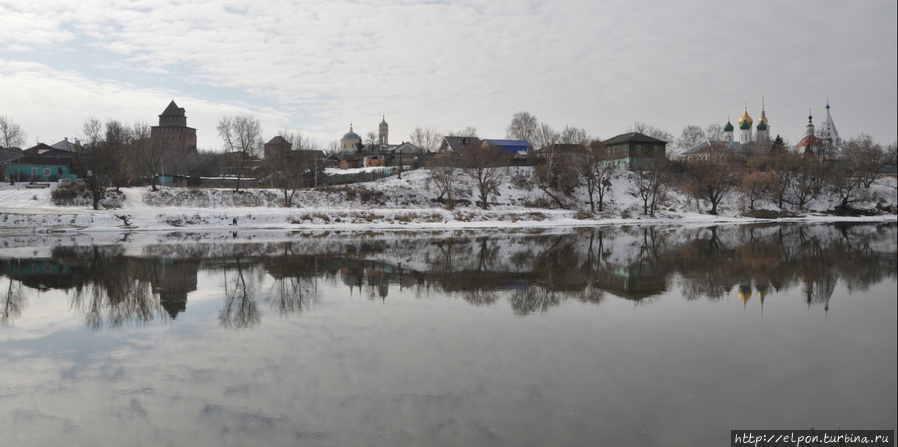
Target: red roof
[(814, 141)]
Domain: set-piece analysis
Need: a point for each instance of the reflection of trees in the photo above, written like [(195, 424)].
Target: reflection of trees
[(113, 289), (13, 302), (535, 273), (240, 309), (295, 282)]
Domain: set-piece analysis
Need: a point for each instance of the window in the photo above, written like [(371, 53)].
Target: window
[(33, 172), (46, 172)]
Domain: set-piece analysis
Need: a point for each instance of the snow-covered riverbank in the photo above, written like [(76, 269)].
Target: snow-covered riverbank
[(390, 203)]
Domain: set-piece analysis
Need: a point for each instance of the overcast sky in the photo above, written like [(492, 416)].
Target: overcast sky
[(317, 65)]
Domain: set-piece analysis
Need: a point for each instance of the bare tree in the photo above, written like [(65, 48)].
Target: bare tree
[(845, 181), (241, 135), (446, 177), (426, 138), (596, 173), (756, 185), (371, 139), (144, 157), (573, 135), (807, 176), (714, 132), (867, 157), (712, 180), (98, 162), (544, 136), (469, 131), (652, 131), (690, 137), (483, 164), (11, 136), (650, 184), (522, 127), (555, 176)]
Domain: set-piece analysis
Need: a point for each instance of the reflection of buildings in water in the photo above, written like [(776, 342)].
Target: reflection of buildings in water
[(173, 280), (633, 282), (40, 273)]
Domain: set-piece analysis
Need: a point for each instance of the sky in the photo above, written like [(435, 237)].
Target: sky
[(318, 65)]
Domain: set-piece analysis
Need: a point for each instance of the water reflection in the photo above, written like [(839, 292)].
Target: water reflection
[(127, 283)]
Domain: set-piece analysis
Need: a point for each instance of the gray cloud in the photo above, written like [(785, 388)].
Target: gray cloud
[(598, 65)]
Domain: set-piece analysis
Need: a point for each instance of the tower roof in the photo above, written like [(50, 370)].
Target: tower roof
[(351, 136), (763, 118), (728, 127), (746, 121), (173, 110)]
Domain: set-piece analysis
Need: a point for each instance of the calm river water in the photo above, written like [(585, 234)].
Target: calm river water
[(624, 336)]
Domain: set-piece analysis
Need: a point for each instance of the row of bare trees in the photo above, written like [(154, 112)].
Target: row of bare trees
[(788, 180)]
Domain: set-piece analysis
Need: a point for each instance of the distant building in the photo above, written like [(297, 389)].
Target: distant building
[(826, 143), (633, 150), (277, 146), (728, 149), (173, 132), (731, 152), (456, 144), (513, 147), (41, 163), (67, 145), (350, 140)]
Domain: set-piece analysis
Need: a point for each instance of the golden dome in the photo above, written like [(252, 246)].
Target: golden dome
[(763, 118), (745, 118)]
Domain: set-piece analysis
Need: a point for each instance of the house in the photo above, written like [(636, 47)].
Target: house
[(513, 147), (565, 154), (277, 146), (456, 144), (730, 152), (67, 145), (633, 150), (41, 163), (350, 158)]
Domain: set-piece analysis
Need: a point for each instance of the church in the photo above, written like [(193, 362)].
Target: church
[(355, 154), (826, 142), (728, 147)]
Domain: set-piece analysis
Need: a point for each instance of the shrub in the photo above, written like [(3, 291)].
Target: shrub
[(70, 196)]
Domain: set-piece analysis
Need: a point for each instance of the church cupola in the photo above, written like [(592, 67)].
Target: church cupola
[(810, 127), (745, 127), (383, 132), (728, 130), (763, 130)]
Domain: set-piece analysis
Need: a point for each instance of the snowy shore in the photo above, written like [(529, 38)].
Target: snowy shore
[(387, 204)]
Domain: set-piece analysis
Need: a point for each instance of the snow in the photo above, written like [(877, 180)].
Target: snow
[(386, 204)]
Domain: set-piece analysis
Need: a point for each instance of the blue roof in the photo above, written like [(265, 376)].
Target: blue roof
[(511, 145)]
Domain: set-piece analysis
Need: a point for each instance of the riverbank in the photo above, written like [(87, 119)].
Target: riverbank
[(387, 204)]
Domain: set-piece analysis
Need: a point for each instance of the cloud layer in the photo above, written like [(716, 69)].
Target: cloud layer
[(317, 65)]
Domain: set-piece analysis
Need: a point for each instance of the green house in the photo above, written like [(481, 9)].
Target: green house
[(41, 163), (633, 151)]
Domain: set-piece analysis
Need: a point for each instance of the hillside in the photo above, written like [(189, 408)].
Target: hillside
[(387, 203)]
